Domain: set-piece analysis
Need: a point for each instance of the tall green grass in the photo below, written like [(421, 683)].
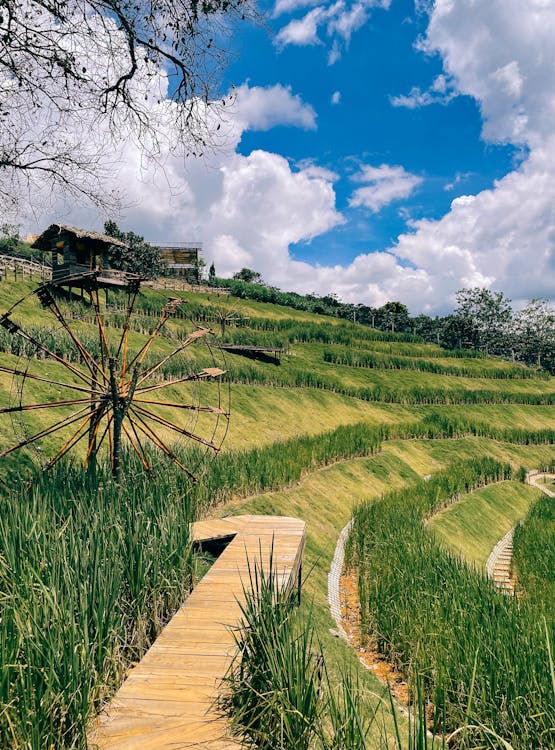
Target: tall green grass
[(278, 693), (88, 574), (300, 377), (373, 360), (443, 623), (533, 561)]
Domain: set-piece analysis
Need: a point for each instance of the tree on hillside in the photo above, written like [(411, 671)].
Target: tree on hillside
[(211, 273), (137, 257), (455, 332), (535, 334), (393, 316), (199, 264), (248, 275), (9, 238), (78, 75), (486, 316)]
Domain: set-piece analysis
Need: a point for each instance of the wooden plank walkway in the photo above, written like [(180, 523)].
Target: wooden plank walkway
[(167, 699)]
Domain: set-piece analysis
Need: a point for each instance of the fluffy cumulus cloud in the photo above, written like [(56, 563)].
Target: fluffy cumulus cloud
[(249, 209), (441, 91), (336, 22), (500, 53), (262, 108), (383, 185)]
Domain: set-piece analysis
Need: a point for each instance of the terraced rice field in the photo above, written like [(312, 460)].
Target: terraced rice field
[(309, 438)]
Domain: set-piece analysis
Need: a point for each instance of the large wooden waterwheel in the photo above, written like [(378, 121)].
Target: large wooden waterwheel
[(97, 387)]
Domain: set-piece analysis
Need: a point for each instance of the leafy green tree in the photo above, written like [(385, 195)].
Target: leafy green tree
[(211, 273), (456, 332), (535, 334), (137, 257), (487, 316), (423, 325), (394, 316), (248, 275), (9, 238)]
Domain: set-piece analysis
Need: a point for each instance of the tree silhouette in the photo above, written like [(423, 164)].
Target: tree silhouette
[(78, 76)]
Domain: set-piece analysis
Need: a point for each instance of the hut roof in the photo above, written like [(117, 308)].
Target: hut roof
[(43, 242)]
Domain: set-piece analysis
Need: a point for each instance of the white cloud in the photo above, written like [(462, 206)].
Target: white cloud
[(340, 20), (288, 6), (259, 108), (500, 52), (303, 31), (385, 184), (459, 177), (348, 21), (336, 97), (442, 91)]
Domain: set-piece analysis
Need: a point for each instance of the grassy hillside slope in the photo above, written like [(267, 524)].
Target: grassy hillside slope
[(401, 422)]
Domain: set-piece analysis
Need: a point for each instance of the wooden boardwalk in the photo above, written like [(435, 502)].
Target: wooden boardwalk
[(167, 699)]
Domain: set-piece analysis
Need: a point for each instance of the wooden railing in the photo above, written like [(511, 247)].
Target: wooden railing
[(14, 267)]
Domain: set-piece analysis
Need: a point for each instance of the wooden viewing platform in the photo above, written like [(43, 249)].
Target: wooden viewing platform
[(167, 701), (253, 351)]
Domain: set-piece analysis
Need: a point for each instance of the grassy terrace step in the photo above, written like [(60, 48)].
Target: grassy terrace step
[(391, 387), (477, 521), (443, 623), (534, 555), (471, 368)]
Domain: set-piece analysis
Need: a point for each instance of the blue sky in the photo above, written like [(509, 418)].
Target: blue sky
[(440, 143), (377, 149)]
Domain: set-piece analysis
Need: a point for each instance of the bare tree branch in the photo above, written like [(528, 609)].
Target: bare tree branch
[(79, 77)]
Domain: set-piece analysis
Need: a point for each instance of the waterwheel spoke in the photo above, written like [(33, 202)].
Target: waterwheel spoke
[(170, 425), (70, 443), (71, 419), (46, 405), (102, 339), (131, 297), (145, 456), (47, 300), (15, 329), (140, 452), (141, 425), (93, 445), (210, 372), (175, 405), (31, 376), (167, 311), (191, 338)]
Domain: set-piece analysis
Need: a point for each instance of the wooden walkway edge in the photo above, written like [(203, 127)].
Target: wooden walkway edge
[(167, 701)]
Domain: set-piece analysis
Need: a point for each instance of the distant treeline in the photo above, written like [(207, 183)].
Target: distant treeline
[(482, 320)]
